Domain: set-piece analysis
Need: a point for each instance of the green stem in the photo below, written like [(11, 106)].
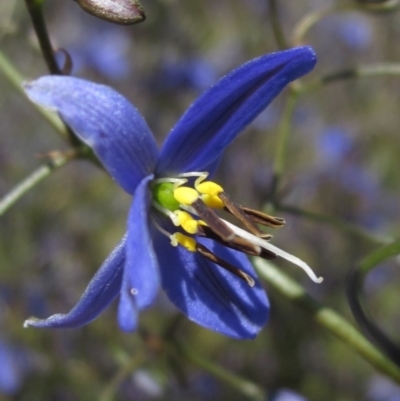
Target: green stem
[(245, 387), (276, 25), (33, 179), (373, 70), (355, 285), (108, 393), (39, 23), (334, 222), (35, 11), (307, 22), (327, 318), (16, 79), (6, 17), (379, 256), (283, 136), (381, 69)]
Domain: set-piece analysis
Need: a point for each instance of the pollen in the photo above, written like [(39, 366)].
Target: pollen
[(182, 239), (187, 222), (210, 188), (212, 201), (186, 195)]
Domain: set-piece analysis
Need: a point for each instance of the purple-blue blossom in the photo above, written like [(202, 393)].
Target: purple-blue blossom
[(175, 239)]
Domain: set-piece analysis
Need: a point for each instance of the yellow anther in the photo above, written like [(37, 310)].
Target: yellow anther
[(188, 223), (186, 195), (182, 239), (212, 201), (209, 188)]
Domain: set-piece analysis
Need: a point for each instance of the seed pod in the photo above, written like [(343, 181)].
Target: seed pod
[(123, 12)]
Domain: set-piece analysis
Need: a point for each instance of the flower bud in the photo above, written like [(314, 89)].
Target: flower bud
[(124, 12)]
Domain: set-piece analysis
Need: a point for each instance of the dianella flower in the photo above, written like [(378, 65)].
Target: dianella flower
[(175, 236)]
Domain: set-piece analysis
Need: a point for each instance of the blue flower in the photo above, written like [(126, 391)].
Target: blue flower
[(198, 264)]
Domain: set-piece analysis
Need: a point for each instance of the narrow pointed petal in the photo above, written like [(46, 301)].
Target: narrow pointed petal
[(101, 291), (104, 120), (141, 280), (210, 295), (218, 116)]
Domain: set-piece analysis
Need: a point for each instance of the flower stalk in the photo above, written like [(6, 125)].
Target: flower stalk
[(15, 78), (283, 135), (355, 284), (56, 161), (327, 318), (39, 24)]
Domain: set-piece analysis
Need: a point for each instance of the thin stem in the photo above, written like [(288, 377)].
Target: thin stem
[(39, 24), (307, 22), (16, 79), (108, 393), (373, 70), (35, 11), (355, 285), (57, 160), (276, 25), (379, 256), (381, 69), (335, 223), (327, 318), (6, 25), (283, 136), (245, 387)]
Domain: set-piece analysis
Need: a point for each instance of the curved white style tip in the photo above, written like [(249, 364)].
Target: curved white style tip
[(279, 252)]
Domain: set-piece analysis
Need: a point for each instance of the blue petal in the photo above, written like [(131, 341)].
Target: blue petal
[(103, 119), (218, 116), (141, 280), (208, 294), (101, 291)]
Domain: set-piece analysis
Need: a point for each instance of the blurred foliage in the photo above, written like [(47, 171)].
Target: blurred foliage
[(341, 165)]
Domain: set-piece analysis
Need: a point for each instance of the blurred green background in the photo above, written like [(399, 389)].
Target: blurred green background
[(342, 162)]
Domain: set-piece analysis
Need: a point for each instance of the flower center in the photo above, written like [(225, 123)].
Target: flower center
[(192, 208)]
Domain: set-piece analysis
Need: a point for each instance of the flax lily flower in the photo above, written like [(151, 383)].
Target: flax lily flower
[(175, 239)]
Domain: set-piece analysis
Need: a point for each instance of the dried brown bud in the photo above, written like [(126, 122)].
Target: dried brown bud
[(124, 12)]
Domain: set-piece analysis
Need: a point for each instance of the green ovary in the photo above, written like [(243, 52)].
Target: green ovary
[(163, 194)]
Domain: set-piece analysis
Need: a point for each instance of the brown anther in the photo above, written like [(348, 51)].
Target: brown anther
[(238, 244), (223, 263), (266, 254), (213, 221), (262, 218), (232, 207)]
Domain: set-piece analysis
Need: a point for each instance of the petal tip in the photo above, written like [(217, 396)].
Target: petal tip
[(31, 322), (38, 91), (306, 56), (28, 322), (311, 54), (26, 84)]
